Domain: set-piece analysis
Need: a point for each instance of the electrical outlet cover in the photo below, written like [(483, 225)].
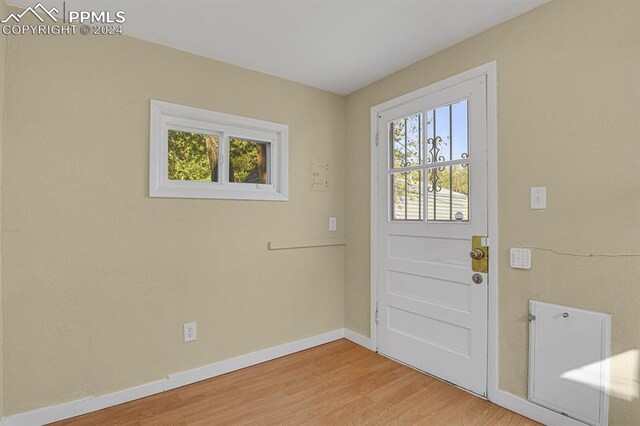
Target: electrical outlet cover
[(190, 332)]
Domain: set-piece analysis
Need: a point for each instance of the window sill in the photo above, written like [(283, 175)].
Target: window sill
[(217, 194)]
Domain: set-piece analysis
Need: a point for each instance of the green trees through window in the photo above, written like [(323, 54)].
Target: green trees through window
[(194, 157), (248, 161)]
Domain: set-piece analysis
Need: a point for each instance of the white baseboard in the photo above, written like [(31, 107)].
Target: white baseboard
[(89, 404), (533, 411), (86, 405), (358, 339)]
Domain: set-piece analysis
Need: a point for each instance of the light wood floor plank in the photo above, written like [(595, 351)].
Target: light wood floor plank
[(339, 383)]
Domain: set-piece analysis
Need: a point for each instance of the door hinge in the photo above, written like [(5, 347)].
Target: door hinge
[(376, 315), (377, 138)]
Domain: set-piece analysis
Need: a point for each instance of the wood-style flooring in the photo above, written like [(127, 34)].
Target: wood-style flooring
[(339, 383)]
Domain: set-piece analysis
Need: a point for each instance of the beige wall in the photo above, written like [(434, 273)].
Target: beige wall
[(99, 278), (3, 51), (569, 98)]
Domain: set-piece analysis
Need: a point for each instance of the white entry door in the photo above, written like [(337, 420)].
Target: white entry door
[(432, 198)]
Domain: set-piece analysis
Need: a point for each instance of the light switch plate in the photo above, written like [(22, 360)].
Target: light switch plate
[(520, 258), (333, 223), (539, 198)]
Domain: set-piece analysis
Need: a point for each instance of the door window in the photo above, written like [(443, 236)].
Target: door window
[(429, 165)]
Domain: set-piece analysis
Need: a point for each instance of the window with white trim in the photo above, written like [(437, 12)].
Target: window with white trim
[(197, 153)]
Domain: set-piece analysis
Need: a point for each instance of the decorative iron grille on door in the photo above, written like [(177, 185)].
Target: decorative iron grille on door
[(430, 149)]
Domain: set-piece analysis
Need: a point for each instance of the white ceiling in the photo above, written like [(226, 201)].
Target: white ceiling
[(336, 45)]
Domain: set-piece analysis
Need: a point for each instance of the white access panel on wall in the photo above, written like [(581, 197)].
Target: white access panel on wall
[(568, 361)]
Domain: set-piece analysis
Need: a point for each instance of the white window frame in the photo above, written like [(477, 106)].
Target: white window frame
[(166, 116)]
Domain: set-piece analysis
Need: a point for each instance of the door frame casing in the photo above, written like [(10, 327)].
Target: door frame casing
[(490, 71)]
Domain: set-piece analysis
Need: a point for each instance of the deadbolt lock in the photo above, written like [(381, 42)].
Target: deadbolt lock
[(479, 254), (476, 254)]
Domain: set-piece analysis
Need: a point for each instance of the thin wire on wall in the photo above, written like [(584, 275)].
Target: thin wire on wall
[(566, 253)]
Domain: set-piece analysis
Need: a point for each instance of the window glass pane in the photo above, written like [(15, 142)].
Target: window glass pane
[(406, 145), (448, 193), (459, 130), (430, 124), (447, 133), (438, 145), (407, 194), (192, 156), (248, 161)]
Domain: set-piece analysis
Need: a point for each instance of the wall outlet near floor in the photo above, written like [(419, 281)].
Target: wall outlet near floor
[(190, 332), (333, 223)]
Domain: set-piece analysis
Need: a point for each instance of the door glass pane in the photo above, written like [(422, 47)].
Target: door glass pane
[(438, 147), (192, 156), (447, 133), (448, 193), (407, 196), (406, 141), (249, 161), (459, 130)]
